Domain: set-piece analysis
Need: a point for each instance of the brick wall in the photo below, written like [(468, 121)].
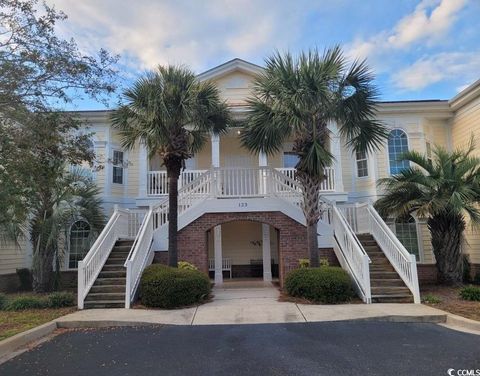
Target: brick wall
[(292, 244), (427, 274)]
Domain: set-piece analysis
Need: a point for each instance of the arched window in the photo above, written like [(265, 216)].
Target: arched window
[(397, 145), (406, 231), (79, 243)]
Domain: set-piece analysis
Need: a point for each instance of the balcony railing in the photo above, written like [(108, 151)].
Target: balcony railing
[(233, 182), (157, 182)]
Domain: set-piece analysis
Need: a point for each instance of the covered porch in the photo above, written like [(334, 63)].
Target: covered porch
[(243, 250)]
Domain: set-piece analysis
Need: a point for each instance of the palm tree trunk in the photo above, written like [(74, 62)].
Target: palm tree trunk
[(173, 173), (311, 209), (447, 234), (42, 270)]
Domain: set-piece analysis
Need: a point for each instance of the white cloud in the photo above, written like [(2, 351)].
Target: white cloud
[(148, 32), (429, 22), (439, 67)]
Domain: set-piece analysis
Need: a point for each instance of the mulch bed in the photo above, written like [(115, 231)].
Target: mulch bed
[(450, 301)]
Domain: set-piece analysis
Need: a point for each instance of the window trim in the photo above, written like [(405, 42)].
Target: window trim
[(366, 167), (69, 244), (388, 154), (114, 165), (428, 151), (421, 256)]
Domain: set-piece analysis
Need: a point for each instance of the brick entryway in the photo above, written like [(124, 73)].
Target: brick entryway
[(292, 245)]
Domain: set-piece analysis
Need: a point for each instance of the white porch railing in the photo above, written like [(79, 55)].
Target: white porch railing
[(123, 223), (403, 261), (139, 257), (328, 185), (157, 182), (351, 254), (234, 181)]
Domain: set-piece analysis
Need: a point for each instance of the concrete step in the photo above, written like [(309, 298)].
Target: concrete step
[(379, 274), (365, 237), (110, 281), (112, 268), (390, 290), (115, 260), (372, 248), (113, 274), (387, 282), (368, 243), (105, 304), (379, 261), (381, 268), (122, 248), (107, 289), (392, 298), (105, 296), (124, 242)]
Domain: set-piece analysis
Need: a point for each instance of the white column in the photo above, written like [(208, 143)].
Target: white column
[(215, 150), (267, 255), (262, 159), (217, 247), (143, 170), (262, 162), (336, 151)]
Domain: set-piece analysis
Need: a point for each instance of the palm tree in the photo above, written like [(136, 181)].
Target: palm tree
[(446, 192), (172, 113), (71, 197), (298, 98)]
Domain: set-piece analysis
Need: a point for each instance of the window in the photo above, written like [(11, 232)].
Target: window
[(290, 159), (429, 152), (362, 165), (118, 167), (397, 145), (406, 231), (79, 243)]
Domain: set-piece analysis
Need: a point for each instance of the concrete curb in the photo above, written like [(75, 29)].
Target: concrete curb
[(462, 324), (11, 344), (103, 324)]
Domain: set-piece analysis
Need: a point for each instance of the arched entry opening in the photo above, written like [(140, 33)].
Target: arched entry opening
[(247, 250)]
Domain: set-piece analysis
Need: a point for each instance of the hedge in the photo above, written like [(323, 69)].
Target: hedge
[(166, 287), (326, 284)]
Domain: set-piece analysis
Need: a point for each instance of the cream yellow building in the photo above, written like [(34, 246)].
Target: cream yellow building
[(246, 183)]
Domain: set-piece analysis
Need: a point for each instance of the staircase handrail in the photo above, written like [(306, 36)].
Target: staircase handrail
[(402, 261)]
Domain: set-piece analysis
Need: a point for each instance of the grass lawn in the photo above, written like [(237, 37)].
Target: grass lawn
[(14, 322), (450, 301)]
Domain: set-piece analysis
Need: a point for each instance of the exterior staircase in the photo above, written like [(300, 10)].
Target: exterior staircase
[(108, 291), (386, 284)]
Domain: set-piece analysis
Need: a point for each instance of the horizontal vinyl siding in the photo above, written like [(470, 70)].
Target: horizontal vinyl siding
[(12, 256)]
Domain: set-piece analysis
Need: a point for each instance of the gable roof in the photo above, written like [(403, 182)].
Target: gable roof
[(228, 67)]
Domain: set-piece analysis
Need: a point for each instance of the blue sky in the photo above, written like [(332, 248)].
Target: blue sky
[(426, 49)]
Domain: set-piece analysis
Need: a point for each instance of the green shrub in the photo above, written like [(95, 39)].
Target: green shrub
[(186, 265), (431, 299), (3, 301), (326, 284), (25, 277), (166, 287), (21, 303), (324, 261), (470, 293), (61, 299), (304, 263)]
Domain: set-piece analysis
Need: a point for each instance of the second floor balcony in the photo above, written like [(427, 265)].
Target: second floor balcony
[(231, 182)]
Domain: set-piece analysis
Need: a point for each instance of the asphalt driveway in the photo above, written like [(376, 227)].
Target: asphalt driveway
[(340, 348)]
